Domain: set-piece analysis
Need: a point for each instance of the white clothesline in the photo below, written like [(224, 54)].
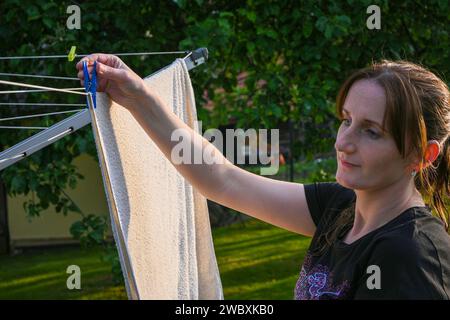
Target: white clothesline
[(39, 115), (65, 90), (85, 55), (37, 76), (42, 104), (23, 128), (75, 122)]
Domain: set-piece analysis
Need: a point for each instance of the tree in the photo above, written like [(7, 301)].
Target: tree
[(294, 55)]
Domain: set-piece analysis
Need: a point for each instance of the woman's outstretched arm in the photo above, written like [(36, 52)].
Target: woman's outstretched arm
[(280, 203)]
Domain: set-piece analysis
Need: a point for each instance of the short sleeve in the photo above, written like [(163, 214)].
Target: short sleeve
[(404, 270), (326, 198)]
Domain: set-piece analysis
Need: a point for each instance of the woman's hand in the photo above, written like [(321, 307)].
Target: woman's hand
[(114, 78)]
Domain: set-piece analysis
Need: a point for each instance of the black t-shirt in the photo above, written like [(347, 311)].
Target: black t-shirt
[(411, 252)]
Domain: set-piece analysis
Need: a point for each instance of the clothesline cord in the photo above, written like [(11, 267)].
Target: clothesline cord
[(19, 127), (37, 76), (85, 55), (41, 87), (38, 90), (41, 104), (39, 115)]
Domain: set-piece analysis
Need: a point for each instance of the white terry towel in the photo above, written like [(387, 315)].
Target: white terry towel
[(160, 223)]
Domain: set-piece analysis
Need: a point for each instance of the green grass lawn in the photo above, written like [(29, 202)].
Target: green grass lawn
[(256, 261)]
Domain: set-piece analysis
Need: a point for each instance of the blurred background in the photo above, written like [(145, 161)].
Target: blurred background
[(272, 65)]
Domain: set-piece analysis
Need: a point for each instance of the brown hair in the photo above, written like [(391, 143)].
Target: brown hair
[(417, 110)]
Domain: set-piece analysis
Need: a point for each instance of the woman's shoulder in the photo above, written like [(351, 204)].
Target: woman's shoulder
[(417, 234), (413, 259)]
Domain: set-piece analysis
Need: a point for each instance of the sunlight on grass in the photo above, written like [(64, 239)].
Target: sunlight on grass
[(256, 261), (28, 280)]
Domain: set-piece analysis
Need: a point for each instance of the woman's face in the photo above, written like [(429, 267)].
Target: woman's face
[(364, 143)]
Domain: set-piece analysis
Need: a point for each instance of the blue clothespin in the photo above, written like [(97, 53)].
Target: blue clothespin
[(90, 83)]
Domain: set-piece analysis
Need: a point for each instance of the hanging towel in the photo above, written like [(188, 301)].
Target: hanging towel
[(160, 222)]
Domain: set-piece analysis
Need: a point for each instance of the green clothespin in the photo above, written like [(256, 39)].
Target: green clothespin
[(72, 53)]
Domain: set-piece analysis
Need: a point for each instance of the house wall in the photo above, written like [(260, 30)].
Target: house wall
[(52, 227), (4, 232)]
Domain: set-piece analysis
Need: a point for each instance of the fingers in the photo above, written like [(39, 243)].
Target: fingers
[(108, 59), (111, 73), (90, 60), (108, 66), (80, 73)]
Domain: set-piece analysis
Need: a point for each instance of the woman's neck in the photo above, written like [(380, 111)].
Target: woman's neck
[(375, 208)]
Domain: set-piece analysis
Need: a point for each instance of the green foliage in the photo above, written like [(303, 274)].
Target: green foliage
[(294, 57), (92, 231), (321, 169), (303, 52), (39, 28), (111, 256)]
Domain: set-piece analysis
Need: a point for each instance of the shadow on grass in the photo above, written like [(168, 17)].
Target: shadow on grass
[(260, 240), (268, 279), (256, 261), (42, 274)]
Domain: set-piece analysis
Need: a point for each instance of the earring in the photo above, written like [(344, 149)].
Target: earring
[(413, 173), (431, 165)]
